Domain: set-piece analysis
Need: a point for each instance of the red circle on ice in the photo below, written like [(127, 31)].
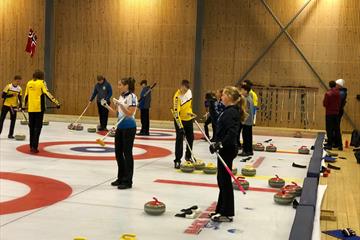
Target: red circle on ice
[(151, 151), (43, 192)]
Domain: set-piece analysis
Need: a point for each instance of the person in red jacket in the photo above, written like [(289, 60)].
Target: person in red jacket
[(331, 103)]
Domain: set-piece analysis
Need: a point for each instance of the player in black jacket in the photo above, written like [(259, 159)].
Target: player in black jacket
[(226, 142)]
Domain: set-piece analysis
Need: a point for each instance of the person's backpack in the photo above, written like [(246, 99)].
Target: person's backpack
[(355, 138)]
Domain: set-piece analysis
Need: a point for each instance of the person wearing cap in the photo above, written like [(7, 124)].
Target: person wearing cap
[(340, 84), (144, 106), (102, 90), (331, 103)]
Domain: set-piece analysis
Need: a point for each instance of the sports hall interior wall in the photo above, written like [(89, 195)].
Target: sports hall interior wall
[(155, 40)]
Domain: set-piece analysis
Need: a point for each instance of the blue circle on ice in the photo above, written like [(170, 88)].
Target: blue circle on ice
[(93, 149)]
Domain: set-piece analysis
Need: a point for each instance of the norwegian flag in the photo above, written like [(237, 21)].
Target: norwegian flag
[(31, 43)]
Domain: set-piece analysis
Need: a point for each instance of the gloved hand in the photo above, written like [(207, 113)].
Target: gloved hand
[(58, 106), (214, 147)]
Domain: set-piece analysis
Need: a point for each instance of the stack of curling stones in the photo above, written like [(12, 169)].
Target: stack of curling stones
[(199, 165), (245, 184), (24, 122), (258, 147), (187, 167), (293, 189), (20, 137), (45, 122), (304, 150), (283, 198), (76, 127), (271, 148), (91, 130), (154, 207), (210, 168), (276, 182), (248, 170)]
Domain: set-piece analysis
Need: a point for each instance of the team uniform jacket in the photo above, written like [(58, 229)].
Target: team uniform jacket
[(35, 94), (130, 100), (228, 126), (183, 105), (12, 95)]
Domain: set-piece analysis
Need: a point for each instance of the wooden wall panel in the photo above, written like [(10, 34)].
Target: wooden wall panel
[(151, 40), (16, 17), (328, 32)]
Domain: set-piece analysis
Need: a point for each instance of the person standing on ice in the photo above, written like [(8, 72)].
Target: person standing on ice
[(34, 98), (125, 133), (11, 94), (102, 90), (225, 143), (182, 101)]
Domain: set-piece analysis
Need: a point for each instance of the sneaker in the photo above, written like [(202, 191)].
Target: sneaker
[(33, 150), (212, 214), (117, 182), (177, 164), (11, 137), (124, 186), (220, 218)]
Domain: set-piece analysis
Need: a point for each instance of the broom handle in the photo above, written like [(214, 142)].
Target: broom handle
[(87, 106), (115, 126), (222, 160)]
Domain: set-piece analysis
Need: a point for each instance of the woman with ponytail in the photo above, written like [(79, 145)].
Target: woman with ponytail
[(125, 133), (227, 146)]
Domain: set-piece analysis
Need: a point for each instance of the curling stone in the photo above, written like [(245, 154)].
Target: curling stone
[(24, 122), (276, 182), (283, 198), (154, 207), (234, 171), (187, 167), (248, 170), (91, 130), (199, 165), (298, 135), (128, 236), (304, 150), (76, 127), (271, 148), (294, 188), (259, 147), (245, 184), (112, 133), (210, 168), (20, 137), (45, 122)]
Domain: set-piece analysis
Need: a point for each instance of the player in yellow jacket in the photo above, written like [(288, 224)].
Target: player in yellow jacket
[(11, 94), (183, 112), (35, 94)]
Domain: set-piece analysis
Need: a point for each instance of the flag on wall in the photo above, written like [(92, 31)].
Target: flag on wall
[(31, 43)]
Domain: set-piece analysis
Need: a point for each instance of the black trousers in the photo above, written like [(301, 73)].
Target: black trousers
[(225, 204), (189, 134), (124, 142), (339, 143), (35, 125), (145, 122), (103, 115), (332, 129), (4, 111), (247, 138)]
